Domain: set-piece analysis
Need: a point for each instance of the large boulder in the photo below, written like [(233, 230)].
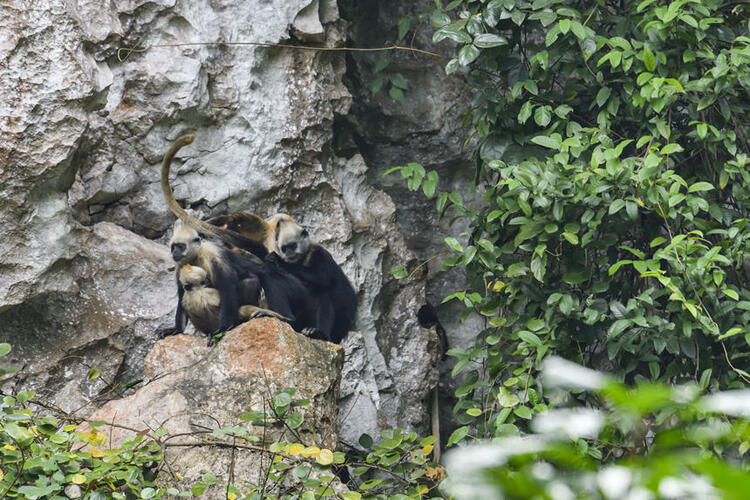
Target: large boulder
[(192, 389)]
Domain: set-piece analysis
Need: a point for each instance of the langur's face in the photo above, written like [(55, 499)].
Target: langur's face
[(193, 277), (185, 243), (292, 241)]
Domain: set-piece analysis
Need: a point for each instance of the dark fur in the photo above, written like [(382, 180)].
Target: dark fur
[(236, 284), (285, 294), (334, 297)]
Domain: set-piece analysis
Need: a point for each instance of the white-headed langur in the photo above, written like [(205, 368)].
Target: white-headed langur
[(238, 274), (336, 301)]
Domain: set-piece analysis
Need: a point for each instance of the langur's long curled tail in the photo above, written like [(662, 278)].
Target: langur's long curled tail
[(225, 235)]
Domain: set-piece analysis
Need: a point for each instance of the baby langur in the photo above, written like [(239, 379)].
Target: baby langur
[(201, 302), (235, 284), (252, 227), (334, 298)]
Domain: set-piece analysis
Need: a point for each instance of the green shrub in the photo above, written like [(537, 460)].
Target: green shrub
[(44, 457)]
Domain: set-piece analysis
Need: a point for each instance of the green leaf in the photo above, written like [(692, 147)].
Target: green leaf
[(706, 101), (616, 206), (488, 40), (617, 265), (198, 488), (19, 433), (530, 338), (458, 435), (671, 148), (700, 186), (366, 441), (467, 54), (294, 420), (573, 278), (4, 348), (547, 142), (381, 64), (578, 30), (618, 327), (543, 115), (657, 241), (507, 399), (535, 324), (523, 412), (732, 332), (572, 238), (474, 412), (451, 33), (399, 81), (603, 95), (648, 59), (552, 35), (451, 66), (403, 27), (454, 244), (282, 399), (399, 272), (396, 93), (702, 130), (525, 113), (430, 184)]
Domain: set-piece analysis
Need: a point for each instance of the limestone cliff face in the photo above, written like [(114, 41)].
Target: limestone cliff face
[(85, 279)]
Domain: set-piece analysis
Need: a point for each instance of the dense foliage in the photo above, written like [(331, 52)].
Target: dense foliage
[(687, 432), (42, 456), (614, 224), (47, 457), (612, 231)]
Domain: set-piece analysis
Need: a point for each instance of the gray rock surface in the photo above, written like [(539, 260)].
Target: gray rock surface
[(84, 280), (425, 127)]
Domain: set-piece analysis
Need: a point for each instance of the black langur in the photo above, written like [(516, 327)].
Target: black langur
[(202, 304), (427, 317), (336, 301), (228, 270)]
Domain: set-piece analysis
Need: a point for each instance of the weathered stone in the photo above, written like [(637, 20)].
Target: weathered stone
[(192, 389), (427, 126), (82, 134), (98, 309)]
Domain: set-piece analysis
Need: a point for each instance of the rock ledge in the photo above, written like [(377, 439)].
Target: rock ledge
[(192, 389)]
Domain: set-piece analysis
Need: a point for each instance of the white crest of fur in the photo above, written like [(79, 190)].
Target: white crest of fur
[(287, 233), (273, 225), (183, 232)]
